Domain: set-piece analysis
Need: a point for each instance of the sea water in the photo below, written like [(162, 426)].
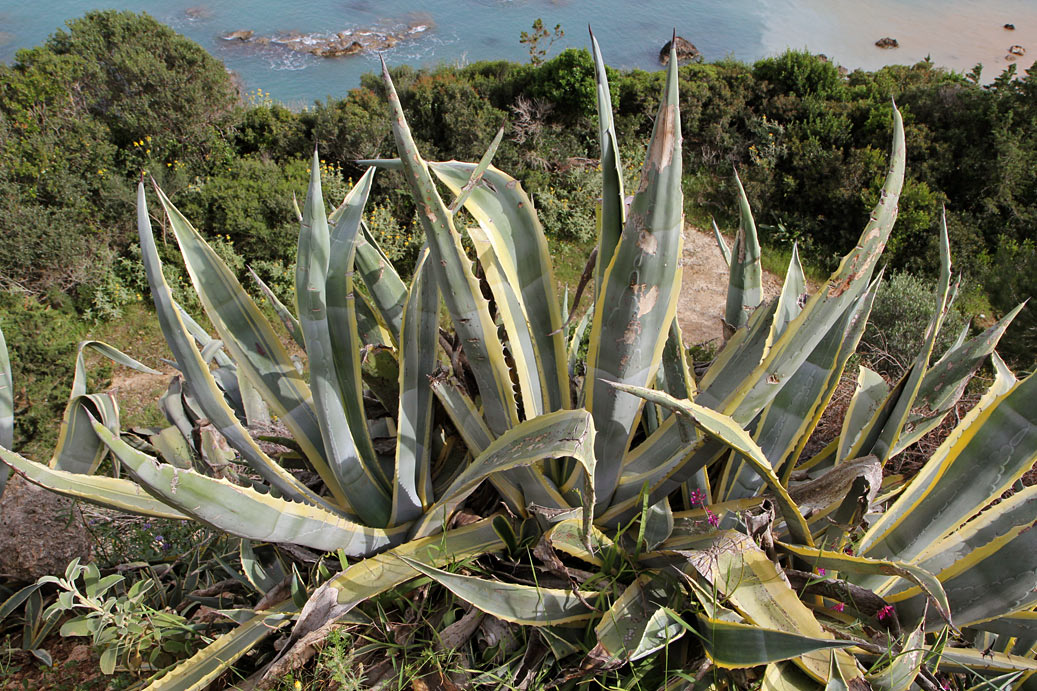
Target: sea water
[(956, 34)]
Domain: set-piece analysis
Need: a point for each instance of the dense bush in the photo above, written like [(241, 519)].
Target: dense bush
[(807, 140), (899, 317)]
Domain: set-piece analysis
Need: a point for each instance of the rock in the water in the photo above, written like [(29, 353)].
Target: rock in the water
[(333, 45), (198, 12), (686, 51), (887, 42), (1016, 50), (1010, 27), (239, 35), (40, 532)]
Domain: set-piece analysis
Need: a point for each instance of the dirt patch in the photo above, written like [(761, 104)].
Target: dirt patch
[(138, 394), (703, 297)]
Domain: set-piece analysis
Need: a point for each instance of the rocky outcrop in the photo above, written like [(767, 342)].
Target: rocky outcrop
[(40, 532), (686, 51), (1009, 27), (198, 12), (1017, 51), (334, 45), (887, 42)]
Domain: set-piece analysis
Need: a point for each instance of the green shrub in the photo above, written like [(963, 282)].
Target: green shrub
[(41, 338), (249, 203), (800, 73), (568, 82), (899, 317), (1009, 277)]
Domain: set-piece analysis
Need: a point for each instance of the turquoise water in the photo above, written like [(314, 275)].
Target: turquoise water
[(954, 33)]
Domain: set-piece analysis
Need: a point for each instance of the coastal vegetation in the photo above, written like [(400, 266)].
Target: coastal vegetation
[(384, 417), (82, 115)]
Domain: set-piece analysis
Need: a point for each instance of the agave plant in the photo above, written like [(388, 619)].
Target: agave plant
[(700, 488)]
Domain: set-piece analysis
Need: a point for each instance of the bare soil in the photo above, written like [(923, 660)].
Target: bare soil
[(700, 307)]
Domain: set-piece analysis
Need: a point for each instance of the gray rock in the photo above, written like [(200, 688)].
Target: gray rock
[(685, 49), (887, 42), (239, 35), (40, 532)]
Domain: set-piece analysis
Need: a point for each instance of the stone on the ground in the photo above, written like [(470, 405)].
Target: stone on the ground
[(40, 532)]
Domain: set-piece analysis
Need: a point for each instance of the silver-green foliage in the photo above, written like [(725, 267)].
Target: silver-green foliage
[(694, 484)]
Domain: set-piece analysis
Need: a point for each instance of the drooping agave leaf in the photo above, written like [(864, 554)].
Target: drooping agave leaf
[(992, 447), (78, 449), (568, 536), (826, 305), (412, 484), (113, 493), (369, 577), (846, 563), (519, 604), (324, 293), (725, 430), (203, 386), (200, 670), (902, 670), (745, 281), (613, 201), (650, 461), (638, 296), (244, 512), (562, 434), (469, 311), (838, 498), (638, 623), (732, 645), (291, 324), (743, 573)]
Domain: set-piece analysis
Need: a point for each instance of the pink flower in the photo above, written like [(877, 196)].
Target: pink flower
[(821, 571), (838, 607), (714, 520), (885, 613), (697, 496)]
